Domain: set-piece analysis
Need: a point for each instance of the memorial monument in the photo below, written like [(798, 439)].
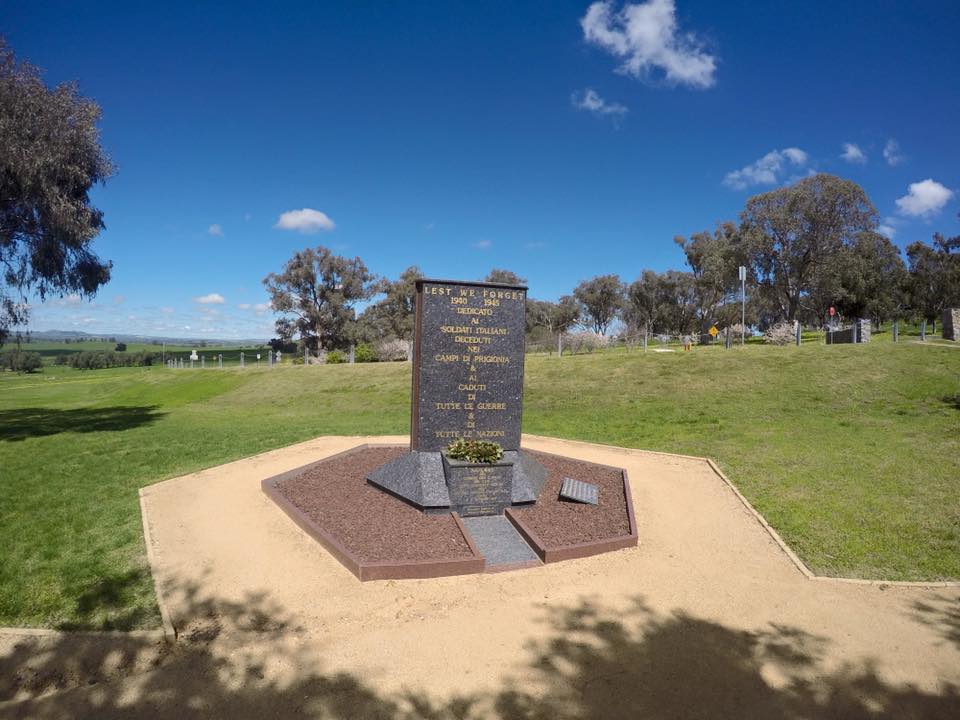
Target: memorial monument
[(467, 384)]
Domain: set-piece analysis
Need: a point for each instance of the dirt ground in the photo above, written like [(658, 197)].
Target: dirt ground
[(707, 618)]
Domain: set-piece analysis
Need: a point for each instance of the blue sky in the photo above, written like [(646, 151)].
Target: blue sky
[(559, 139)]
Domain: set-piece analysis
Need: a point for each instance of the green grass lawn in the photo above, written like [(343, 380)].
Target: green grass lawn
[(851, 452)]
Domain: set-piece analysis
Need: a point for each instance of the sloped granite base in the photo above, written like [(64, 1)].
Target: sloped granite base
[(418, 478)]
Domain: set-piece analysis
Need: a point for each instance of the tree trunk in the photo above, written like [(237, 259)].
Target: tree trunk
[(559, 344)]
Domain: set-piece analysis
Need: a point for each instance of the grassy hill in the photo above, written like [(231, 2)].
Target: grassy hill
[(851, 452)]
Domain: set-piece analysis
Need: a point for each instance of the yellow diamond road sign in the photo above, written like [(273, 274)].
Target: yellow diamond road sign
[(713, 330)]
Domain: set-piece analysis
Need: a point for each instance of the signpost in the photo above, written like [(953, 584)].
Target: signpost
[(743, 303), (713, 331)]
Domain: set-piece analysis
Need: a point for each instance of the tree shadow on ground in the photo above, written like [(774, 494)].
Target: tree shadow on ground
[(110, 603), (952, 400), (594, 662), (23, 423), (943, 616)]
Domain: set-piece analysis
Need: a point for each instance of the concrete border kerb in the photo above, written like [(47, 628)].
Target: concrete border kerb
[(169, 630)]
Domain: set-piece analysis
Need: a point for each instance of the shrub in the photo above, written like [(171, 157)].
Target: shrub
[(364, 353), (474, 451), (585, 342), (780, 334), (335, 357), (390, 350), (121, 347)]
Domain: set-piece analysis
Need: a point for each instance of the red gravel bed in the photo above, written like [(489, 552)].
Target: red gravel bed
[(559, 523), (369, 523)]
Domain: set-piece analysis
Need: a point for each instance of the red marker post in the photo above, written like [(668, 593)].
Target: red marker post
[(833, 311)]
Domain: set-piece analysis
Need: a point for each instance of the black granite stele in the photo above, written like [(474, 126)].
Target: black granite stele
[(467, 383)]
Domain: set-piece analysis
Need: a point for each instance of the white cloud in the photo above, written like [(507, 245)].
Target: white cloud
[(306, 221), (167, 310), (853, 154), (768, 170), (591, 101), (645, 35), (888, 227), (483, 244), (258, 308), (924, 199), (795, 155), (888, 231), (215, 230), (211, 299), (892, 154)]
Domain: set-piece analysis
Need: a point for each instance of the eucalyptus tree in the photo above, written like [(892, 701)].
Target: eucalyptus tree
[(315, 297), (934, 282), (393, 316), (504, 277), (50, 158), (601, 300), (713, 258), (557, 317), (792, 235)]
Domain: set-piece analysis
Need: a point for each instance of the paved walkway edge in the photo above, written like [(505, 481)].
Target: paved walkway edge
[(169, 631)]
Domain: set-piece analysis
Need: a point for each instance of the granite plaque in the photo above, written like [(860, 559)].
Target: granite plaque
[(580, 491), (467, 364), (478, 488)]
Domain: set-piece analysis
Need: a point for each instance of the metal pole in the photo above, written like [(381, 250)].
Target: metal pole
[(743, 304)]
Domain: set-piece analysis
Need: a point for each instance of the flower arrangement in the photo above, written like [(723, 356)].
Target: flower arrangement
[(474, 451)]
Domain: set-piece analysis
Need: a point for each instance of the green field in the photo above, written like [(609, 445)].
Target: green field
[(851, 452)]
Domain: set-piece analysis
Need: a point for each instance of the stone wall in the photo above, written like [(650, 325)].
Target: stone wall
[(859, 332), (950, 322)]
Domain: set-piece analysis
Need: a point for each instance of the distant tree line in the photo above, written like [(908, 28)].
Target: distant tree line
[(20, 361), (102, 359), (806, 248)]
